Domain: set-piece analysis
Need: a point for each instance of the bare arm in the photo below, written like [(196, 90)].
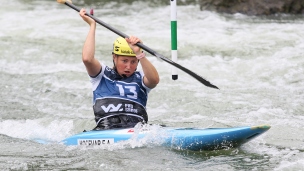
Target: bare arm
[(92, 65), (151, 78)]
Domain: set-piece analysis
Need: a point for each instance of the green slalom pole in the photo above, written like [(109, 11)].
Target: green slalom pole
[(174, 38)]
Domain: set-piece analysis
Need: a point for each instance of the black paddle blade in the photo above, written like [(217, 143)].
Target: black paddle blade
[(196, 76)]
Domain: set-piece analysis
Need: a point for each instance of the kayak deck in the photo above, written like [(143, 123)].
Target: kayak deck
[(194, 139)]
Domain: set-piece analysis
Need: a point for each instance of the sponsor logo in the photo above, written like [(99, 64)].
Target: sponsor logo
[(131, 131), (142, 130), (119, 108), (116, 48), (127, 51), (94, 142), (129, 108), (112, 108)]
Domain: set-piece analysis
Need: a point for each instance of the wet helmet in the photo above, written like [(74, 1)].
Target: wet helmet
[(121, 47)]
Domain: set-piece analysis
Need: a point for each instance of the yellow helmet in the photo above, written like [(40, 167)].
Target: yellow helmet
[(121, 47)]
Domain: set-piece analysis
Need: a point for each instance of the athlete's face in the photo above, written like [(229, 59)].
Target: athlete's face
[(125, 65)]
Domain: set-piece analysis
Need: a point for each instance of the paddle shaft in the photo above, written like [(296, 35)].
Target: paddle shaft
[(152, 52)]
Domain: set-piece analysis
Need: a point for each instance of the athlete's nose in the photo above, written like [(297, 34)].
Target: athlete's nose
[(128, 65)]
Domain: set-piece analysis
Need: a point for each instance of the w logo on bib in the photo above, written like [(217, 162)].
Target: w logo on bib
[(107, 106), (112, 108)]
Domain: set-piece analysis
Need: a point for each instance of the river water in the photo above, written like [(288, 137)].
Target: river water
[(257, 62)]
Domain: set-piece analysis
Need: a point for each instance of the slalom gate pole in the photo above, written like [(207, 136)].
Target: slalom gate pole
[(174, 37)]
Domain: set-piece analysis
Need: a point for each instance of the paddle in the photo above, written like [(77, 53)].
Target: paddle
[(152, 52)]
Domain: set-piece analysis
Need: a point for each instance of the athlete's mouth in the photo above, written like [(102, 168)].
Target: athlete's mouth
[(126, 73)]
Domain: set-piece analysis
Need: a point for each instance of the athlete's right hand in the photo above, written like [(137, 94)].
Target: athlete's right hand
[(86, 18)]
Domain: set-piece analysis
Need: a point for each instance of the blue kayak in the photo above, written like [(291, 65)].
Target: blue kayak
[(195, 139)]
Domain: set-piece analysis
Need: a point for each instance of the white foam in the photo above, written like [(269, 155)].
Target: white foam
[(298, 164), (257, 63), (45, 129)]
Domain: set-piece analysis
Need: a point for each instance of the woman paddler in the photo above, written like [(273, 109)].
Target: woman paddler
[(119, 93)]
